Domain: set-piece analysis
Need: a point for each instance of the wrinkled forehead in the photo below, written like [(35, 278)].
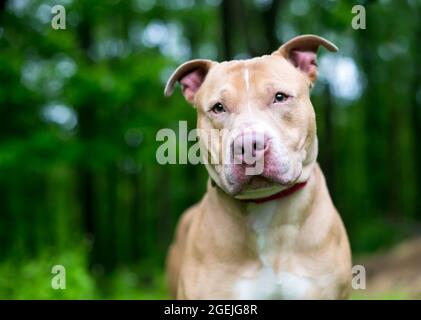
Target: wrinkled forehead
[(254, 75)]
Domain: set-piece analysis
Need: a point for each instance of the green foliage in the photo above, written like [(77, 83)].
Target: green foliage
[(31, 278)]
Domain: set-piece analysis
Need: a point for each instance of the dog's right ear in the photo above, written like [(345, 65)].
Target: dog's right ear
[(190, 75)]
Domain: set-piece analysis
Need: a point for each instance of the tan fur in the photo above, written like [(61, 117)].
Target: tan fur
[(219, 248), (291, 248)]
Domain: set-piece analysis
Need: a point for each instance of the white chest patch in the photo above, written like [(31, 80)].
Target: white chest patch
[(266, 284), (260, 217)]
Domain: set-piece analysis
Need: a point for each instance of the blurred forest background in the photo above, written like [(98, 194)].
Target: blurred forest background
[(80, 108)]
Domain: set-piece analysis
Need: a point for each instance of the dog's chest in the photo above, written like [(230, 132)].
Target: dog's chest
[(261, 281), (270, 285)]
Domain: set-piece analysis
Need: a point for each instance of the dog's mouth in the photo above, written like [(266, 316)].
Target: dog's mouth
[(262, 186), (242, 183), (258, 182)]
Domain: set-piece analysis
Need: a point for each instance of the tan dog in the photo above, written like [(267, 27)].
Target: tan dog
[(275, 234)]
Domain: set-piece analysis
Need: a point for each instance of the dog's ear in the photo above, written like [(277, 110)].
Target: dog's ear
[(301, 51), (190, 75)]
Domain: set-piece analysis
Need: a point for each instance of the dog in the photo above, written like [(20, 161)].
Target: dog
[(271, 235)]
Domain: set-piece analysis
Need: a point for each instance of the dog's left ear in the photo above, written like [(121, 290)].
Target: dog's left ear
[(301, 51)]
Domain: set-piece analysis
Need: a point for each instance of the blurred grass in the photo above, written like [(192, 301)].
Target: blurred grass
[(380, 296), (31, 279)]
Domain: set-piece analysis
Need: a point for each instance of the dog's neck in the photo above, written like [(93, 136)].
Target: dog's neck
[(279, 219), (280, 200)]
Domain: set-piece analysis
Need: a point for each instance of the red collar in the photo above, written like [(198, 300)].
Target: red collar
[(279, 195)]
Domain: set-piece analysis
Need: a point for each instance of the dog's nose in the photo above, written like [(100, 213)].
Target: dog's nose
[(249, 146)]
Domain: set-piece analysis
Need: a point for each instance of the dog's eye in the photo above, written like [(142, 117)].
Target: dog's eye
[(217, 108), (280, 97)]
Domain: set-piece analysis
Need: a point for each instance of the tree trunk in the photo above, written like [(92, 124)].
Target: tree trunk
[(328, 150), (86, 185), (227, 24), (416, 107), (270, 23)]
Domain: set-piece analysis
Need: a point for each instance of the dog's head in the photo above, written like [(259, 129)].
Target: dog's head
[(255, 118)]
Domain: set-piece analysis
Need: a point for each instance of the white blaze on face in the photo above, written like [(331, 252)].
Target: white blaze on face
[(247, 82), (246, 78)]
